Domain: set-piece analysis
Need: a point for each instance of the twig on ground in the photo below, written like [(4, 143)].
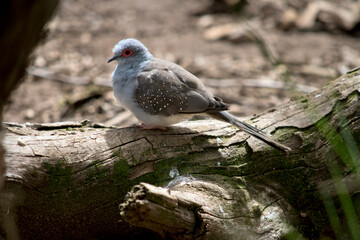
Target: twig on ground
[(82, 81), (256, 83)]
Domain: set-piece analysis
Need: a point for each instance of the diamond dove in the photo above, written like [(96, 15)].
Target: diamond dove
[(160, 93)]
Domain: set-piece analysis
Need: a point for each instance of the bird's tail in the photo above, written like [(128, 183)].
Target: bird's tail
[(227, 117)]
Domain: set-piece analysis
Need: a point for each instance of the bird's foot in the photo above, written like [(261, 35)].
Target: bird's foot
[(150, 127)]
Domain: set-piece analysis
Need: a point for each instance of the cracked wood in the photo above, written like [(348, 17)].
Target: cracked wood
[(75, 173)]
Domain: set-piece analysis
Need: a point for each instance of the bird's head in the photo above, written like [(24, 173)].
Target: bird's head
[(130, 51)]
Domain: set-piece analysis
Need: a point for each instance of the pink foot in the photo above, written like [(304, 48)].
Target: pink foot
[(150, 127)]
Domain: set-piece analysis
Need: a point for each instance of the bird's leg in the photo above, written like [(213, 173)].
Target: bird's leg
[(150, 127)]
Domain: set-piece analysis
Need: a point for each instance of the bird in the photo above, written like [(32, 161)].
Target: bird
[(161, 93)]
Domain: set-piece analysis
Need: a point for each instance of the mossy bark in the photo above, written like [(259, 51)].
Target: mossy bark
[(68, 179), (21, 31)]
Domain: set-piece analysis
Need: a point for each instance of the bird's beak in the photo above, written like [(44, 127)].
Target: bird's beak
[(112, 59)]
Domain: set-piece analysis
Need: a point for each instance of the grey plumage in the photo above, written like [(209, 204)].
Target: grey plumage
[(167, 89), (161, 93)]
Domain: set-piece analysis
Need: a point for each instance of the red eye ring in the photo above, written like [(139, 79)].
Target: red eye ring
[(127, 52)]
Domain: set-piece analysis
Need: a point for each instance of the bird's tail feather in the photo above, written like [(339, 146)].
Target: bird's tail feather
[(227, 117)]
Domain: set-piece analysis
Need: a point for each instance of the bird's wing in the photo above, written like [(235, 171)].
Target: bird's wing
[(167, 89)]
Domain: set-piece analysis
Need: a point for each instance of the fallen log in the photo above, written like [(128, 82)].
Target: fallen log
[(198, 180)]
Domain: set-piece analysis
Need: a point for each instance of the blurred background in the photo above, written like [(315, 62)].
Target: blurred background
[(254, 55)]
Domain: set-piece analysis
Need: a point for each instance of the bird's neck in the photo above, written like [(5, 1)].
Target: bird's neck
[(128, 71)]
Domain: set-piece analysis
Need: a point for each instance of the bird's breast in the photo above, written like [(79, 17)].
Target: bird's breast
[(124, 92)]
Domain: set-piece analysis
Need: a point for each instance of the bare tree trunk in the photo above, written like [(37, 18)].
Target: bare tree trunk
[(212, 181), (21, 33), (21, 30)]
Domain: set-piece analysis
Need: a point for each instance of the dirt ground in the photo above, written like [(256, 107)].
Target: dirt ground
[(191, 33)]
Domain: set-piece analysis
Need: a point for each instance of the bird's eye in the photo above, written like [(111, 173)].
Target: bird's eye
[(127, 52)]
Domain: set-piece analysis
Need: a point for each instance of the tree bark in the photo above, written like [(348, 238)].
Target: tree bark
[(19, 36), (211, 180), (21, 31)]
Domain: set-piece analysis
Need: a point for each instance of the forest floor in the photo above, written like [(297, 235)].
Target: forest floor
[(211, 43)]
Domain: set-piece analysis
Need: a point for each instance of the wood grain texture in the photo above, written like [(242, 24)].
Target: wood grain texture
[(221, 181)]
